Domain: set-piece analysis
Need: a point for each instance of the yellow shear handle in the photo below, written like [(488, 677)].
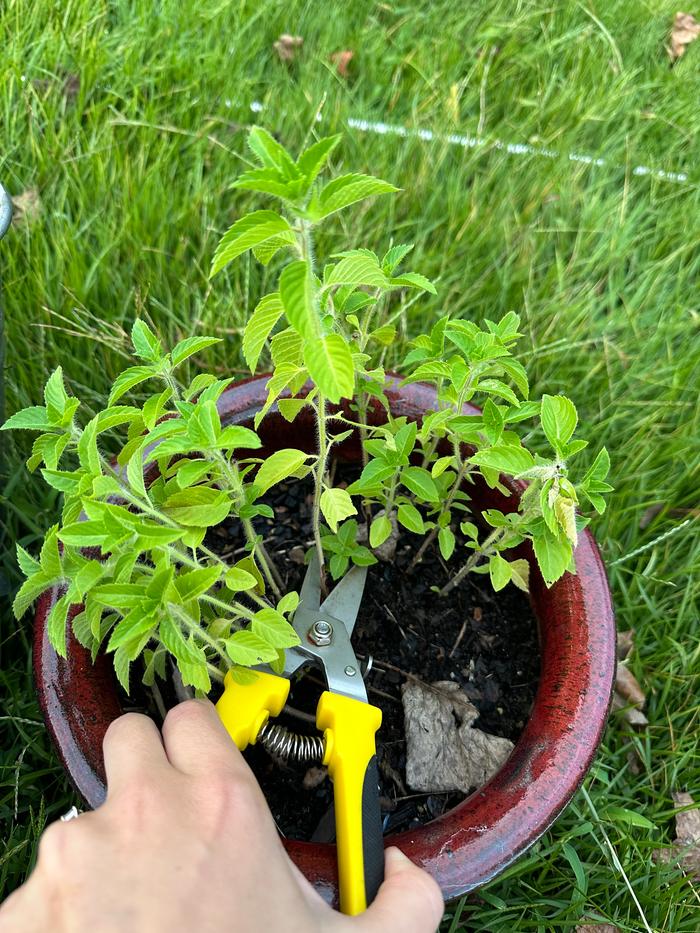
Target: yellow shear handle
[(350, 754), (245, 708)]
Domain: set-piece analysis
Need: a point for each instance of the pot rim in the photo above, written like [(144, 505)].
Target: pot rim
[(471, 844)]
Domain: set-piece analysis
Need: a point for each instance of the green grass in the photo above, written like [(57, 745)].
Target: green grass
[(603, 265)]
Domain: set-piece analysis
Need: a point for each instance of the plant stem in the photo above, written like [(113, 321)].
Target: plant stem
[(199, 632), (319, 478), (461, 473), (484, 551)]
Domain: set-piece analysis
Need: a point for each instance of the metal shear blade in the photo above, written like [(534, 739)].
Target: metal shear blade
[(336, 616)]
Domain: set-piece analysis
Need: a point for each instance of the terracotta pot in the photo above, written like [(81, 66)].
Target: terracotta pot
[(471, 844)]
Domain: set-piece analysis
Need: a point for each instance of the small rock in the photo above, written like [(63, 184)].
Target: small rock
[(296, 554)]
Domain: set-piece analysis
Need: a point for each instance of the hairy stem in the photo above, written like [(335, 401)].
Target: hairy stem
[(319, 477), (486, 549)]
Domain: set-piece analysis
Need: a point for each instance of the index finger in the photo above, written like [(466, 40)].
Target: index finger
[(197, 743)]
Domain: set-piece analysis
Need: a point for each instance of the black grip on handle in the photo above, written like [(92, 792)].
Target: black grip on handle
[(372, 834)]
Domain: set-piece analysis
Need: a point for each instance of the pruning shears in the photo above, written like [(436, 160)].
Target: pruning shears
[(344, 715)]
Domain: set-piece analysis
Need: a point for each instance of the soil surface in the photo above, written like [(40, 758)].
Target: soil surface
[(485, 643)]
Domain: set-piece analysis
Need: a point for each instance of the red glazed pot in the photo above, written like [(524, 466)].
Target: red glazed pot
[(471, 844)]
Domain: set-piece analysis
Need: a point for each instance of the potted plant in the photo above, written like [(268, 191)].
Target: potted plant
[(130, 577)]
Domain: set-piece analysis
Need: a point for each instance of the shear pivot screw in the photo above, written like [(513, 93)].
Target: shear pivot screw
[(350, 671), (321, 633)]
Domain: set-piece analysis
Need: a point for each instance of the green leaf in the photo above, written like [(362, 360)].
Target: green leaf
[(122, 664), (623, 815), (346, 190), (247, 232), (199, 506), (55, 396), (236, 436), (553, 555), (440, 465), (336, 506), (312, 160), (446, 542), (134, 473), (192, 584), (499, 571), (268, 181), (270, 153), (297, 294), (50, 555), (88, 453), (132, 626), (559, 419), (286, 347), (114, 416), (520, 574), (84, 534), (28, 419), (290, 407), (379, 531), (88, 576), (56, 625), (267, 313), (204, 424), (394, 256), (409, 516), (27, 564), (63, 480), (357, 269), (145, 342), (237, 579), (504, 458), (189, 346), (421, 483), (129, 379), (271, 625), (120, 595), (384, 335), (29, 591), (249, 649), (330, 364), (278, 466), (288, 603), (414, 280)]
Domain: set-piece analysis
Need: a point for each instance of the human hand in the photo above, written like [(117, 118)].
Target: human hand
[(185, 842)]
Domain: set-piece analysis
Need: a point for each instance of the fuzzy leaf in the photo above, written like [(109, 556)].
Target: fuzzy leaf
[(129, 379), (146, 344), (249, 649), (199, 506), (247, 232), (559, 419), (297, 294), (409, 516), (346, 190), (336, 506), (28, 419), (268, 311), (271, 625), (189, 346), (330, 365), (278, 466), (421, 483)]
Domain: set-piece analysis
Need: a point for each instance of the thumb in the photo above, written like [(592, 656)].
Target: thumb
[(409, 900)]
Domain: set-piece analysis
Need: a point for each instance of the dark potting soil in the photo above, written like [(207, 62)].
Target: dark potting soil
[(485, 643)]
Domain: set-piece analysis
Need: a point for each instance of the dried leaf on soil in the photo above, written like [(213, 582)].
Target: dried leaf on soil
[(685, 30), (627, 685), (287, 47), (342, 60), (597, 928), (443, 750), (686, 848), (26, 206), (625, 644)]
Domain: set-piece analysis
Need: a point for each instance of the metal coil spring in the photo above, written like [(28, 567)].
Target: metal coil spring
[(282, 743)]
